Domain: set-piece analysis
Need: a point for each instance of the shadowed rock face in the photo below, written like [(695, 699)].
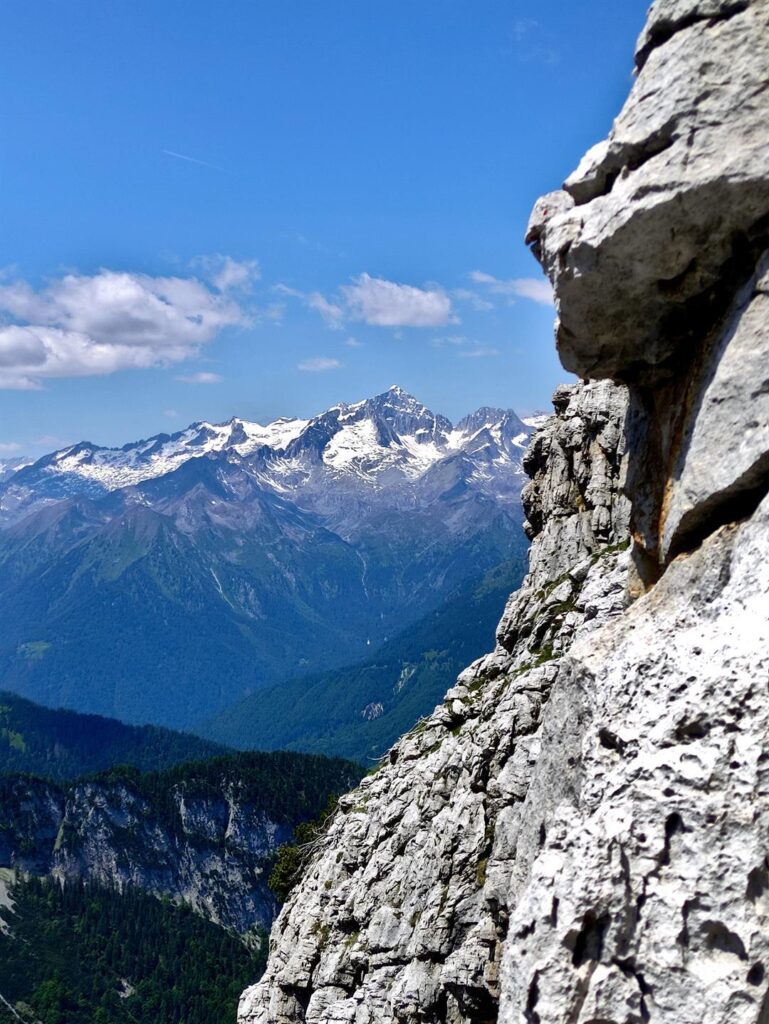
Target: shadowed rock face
[(580, 833), (662, 219)]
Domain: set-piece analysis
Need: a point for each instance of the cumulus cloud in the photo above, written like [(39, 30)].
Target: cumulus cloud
[(318, 364), (202, 377), (387, 304), (536, 289), (86, 325), (380, 303)]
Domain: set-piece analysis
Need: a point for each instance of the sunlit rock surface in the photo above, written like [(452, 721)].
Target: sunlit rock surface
[(580, 833)]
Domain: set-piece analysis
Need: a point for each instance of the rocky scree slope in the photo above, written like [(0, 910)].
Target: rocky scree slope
[(581, 832), (201, 834)]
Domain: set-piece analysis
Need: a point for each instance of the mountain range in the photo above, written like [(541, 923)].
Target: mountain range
[(165, 580)]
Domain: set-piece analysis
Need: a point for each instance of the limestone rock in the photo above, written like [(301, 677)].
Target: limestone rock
[(657, 252), (669, 212), (579, 834), (402, 914), (647, 899), (211, 850)]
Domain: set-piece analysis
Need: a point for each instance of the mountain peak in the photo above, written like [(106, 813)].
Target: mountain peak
[(390, 436), (489, 416), (397, 396), (405, 414)]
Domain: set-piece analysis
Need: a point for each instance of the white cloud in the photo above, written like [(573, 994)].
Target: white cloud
[(387, 304), (380, 303), (9, 447), (318, 364), (81, 325), (537, 289), (227, 274), (330, 311), (466, 348), (172, 414), (200, 378), (353, 343)]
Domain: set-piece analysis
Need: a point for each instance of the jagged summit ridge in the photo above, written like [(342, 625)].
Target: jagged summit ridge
[(391, 435)]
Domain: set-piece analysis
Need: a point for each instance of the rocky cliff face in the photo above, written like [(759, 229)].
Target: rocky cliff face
[(580, 833), (210, 850), (202, 834), (404, 912)]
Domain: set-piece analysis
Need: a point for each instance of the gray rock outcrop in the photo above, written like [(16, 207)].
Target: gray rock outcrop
[(208, 847), (403, 913), (579, 834)]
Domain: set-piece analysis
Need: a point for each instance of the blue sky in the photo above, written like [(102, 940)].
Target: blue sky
[(262, 208)]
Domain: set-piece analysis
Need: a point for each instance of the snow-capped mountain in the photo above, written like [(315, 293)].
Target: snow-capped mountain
[(239, 554), (382, 442)]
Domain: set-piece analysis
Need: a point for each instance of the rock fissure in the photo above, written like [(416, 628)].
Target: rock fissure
[(727, 508), (661, 31)]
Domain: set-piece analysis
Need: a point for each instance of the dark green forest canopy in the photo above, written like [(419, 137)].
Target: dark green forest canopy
[(287, 786), (61, 744), (80, 954)]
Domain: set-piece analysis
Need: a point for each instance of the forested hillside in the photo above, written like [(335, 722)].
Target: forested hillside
[(61, 744), (359, 711), (82, 954)]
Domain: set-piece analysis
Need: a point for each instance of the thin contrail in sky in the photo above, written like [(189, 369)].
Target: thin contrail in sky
[(192, 160)]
